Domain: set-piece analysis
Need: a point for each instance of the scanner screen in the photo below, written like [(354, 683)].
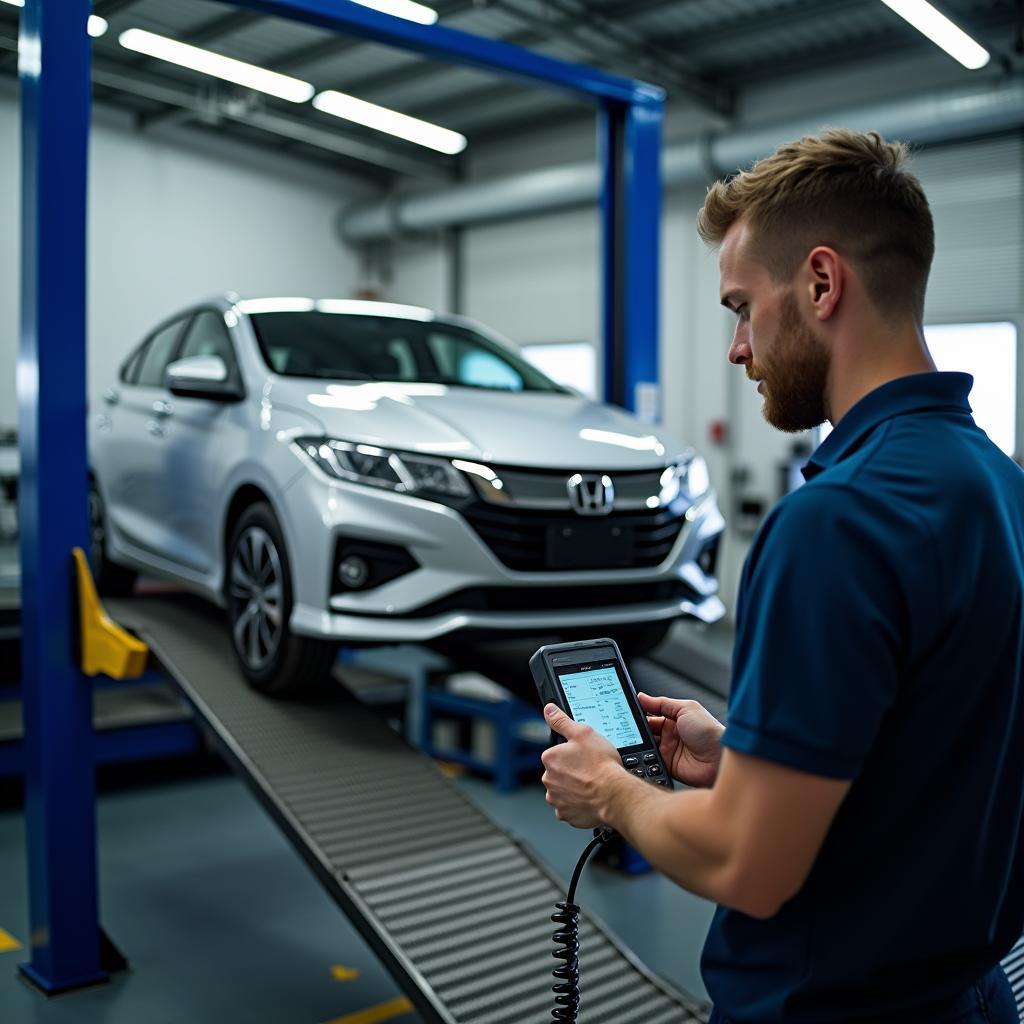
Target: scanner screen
[(597, 699)]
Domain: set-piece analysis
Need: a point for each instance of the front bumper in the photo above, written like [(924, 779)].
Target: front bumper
[(459, 582), (416, 630)]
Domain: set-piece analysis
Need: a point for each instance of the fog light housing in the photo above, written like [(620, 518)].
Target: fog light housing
[(353, 572), (361, 565)]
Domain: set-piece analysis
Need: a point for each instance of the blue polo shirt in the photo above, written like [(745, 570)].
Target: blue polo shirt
[(880, 638)]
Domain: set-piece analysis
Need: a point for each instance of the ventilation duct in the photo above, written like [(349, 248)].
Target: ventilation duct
[(930, 118)]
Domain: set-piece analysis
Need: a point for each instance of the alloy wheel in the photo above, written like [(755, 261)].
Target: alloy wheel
[(257, 597)]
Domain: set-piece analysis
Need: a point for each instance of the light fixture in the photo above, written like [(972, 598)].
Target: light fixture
[(97, 26), (208, 63), (412, 129), (941, 31), (407, 9)]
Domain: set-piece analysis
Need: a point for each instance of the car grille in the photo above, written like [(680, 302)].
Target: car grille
[(522, 539)]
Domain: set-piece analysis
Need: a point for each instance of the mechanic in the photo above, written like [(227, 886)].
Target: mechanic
[(859, 821)]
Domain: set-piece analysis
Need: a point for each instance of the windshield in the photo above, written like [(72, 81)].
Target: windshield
[(352, 347)]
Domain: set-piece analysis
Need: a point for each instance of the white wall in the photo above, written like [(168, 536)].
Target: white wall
[(171, 221)]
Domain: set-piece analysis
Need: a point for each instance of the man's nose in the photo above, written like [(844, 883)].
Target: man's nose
[(739, 350)]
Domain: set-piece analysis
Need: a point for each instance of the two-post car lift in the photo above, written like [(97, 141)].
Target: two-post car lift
[(452, 905)]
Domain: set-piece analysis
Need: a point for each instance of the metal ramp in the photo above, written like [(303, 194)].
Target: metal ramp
[(456, 909)]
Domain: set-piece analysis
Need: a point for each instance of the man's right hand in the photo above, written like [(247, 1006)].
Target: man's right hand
[(689, 737)]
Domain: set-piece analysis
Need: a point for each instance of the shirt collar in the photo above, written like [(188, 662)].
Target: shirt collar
[(918, 392)]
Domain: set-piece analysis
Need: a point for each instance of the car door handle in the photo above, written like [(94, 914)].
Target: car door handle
[(162, 409), (154, 428), (111, 397)]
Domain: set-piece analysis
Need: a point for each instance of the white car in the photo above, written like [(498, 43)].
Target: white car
[(346, 471)]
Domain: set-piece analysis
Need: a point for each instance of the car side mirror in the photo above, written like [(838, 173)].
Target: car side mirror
[(202, 377)]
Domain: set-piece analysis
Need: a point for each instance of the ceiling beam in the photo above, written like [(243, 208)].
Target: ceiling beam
[(991, 29), (662, 67), (108, 8), (744, 27), (225, 25), (336, 45), (612, 39), (213, 109)]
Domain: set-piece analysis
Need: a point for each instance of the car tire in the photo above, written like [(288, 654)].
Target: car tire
[(111, 580), (258, 591)]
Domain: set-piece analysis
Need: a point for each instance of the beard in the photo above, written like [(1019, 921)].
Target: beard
[(795, 375)]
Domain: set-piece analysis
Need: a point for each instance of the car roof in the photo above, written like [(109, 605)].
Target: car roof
[(249, 304)]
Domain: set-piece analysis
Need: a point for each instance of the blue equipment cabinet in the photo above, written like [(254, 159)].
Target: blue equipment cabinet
[(54, 67)]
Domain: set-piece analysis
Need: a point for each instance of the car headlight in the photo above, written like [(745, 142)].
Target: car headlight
[(380, 467), (687, 479), (694, 477)]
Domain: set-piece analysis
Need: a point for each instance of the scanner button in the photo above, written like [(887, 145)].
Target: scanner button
[(655, 769), (637, 771), (661, 782), (631, 762), (650, 758)]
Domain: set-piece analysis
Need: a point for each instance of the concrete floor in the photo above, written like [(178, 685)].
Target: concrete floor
[(222, 922)]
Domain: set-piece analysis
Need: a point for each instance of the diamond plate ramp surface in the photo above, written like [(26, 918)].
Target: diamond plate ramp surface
[(453, 906)]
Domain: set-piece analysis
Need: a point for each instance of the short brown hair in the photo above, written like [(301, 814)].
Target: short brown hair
[(844, 189)]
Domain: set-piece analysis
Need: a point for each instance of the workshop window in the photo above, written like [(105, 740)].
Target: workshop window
[(573, 364), (989, 353)]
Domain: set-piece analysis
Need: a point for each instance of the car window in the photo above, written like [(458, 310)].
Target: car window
[(158, 354), (469, 364), (364, 347), (208, 336), (130, 367)]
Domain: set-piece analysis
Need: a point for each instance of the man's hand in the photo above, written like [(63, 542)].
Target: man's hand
[(689, 737), (577, 773)]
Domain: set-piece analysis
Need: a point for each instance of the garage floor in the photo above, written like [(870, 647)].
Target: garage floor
[(222, 921)]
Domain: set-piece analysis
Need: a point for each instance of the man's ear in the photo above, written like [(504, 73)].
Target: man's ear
[(825, 281)]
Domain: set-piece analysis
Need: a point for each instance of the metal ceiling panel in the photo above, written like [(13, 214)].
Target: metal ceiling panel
[(177, 19), (454, 83), (735, 42), (268, 38), (360, 62), (485, 21)]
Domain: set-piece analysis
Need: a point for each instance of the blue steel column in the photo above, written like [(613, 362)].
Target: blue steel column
[(59, 775), (630, 153)]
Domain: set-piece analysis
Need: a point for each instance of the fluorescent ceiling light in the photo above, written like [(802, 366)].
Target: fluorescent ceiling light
[(412, 129), (97, 25), (208, 63), (941, 31), (402, 9)]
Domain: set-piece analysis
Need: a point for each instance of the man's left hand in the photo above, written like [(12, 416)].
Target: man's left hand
[(576, 772)]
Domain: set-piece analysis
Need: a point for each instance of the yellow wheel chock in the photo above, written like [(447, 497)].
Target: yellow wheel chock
[(105, 647)]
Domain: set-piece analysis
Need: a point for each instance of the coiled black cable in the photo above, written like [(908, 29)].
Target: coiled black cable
[(567, 940)]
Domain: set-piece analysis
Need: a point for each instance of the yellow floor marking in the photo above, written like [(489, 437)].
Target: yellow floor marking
[(339, 972), (375, 1014), (451, 770), (8, 943)]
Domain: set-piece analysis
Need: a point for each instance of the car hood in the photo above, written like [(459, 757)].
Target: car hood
[(540, 429)]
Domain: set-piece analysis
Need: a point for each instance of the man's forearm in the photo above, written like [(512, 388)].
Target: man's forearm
[(679, 833)]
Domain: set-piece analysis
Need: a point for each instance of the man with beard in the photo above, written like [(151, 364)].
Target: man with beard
[(859, 822)]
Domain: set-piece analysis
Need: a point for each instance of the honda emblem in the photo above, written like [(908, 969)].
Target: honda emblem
[(591, 494)]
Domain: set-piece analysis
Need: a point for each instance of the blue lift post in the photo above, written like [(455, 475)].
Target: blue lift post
[(54, 68), (60, 805)]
